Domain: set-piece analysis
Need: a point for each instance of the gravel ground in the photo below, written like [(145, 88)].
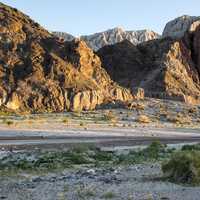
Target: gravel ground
[(138, 182)]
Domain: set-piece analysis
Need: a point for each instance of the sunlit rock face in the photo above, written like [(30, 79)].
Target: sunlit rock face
[(40, 72), (179, 26)]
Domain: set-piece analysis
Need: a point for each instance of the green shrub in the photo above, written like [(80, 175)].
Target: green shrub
[(155, 149), (103, 156), (183, 167), (65, 121), (9, 123), (81, 124), (191, 147), (109, 195)]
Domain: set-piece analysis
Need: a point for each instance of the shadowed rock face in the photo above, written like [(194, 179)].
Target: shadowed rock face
[(195, 47), (164, 68), (38, 72)]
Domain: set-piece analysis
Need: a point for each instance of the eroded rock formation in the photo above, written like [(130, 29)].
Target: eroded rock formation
[(39, 72)]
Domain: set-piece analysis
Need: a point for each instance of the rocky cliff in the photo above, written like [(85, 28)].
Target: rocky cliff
[(113, 36), (39, 72), (164, 68), (179, 26)]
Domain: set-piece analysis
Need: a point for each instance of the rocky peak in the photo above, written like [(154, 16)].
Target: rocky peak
[(179, 26)]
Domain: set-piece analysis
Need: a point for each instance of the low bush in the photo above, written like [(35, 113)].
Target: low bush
[(109, 116), (191, 147), (109, 195), (155, 151), (143, 119), (183, 167)]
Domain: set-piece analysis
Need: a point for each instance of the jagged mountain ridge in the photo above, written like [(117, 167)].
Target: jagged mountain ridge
[(175, 28), (112, 36)]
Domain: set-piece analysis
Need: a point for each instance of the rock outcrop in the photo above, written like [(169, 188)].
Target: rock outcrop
[(164, 68), (39, 72), (179, 26), (113, 36)]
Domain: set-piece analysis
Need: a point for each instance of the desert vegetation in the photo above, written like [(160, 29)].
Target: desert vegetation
[(184, 166), (79, 155), (180, 166)]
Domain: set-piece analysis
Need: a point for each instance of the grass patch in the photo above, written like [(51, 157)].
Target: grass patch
[(109, 195)]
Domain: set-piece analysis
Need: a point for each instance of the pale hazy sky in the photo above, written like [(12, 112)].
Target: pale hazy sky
[(80, 17)]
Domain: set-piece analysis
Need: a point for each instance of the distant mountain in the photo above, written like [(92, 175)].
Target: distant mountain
[(113, 36), (177, 27), (65, 36)]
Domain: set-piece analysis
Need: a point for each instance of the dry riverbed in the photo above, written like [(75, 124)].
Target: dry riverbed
[(87, 173), (62, 172)]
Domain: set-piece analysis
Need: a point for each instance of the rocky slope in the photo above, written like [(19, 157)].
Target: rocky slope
[(179, 26), (112, 36), (39, 72), (164, 68)]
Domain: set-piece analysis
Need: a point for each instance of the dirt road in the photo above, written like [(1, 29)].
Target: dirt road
[(115, 137)]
